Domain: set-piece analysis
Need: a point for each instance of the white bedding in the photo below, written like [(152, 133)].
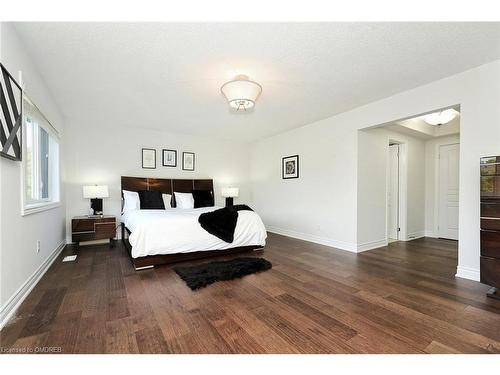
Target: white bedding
[(176, 230)]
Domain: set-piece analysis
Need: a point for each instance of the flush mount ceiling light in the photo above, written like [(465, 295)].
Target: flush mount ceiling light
[(241, 93), (441, 117)]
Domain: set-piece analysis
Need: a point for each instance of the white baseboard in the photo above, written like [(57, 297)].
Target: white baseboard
[(468, 273), (431, 233), (347, 246), (414, 236), (11, 306), (371, 245)]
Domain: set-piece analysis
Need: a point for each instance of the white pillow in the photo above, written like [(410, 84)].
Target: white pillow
[(167, 199), (131, 201), (184, 200)]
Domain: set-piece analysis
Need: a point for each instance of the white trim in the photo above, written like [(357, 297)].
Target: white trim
[(371, 245), (402, 188), (341, 245), (387, 188), (468, 273), (13, 303), (414, 235), (28, 210), (431, 233), (435, 214), (51, 129)]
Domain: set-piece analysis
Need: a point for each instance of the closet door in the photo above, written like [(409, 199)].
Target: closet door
[(448, 191)]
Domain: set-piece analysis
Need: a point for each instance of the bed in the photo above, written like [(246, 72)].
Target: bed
[(154, 237)]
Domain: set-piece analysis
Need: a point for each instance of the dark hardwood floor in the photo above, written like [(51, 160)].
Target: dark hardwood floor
[(399, 299)]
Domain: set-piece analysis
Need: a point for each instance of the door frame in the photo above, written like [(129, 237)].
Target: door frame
[(402, 188), (437, 171)]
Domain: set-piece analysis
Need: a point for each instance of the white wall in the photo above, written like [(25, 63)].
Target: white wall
[(101, 153), (329, 170), (19, 259), (373, 147), (318, 206), (432, 180)]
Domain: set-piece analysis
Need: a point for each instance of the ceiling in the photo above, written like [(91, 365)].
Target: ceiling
[(417, 127), (168, 75)]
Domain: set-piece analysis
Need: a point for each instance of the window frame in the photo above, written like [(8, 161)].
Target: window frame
[(29, 206)]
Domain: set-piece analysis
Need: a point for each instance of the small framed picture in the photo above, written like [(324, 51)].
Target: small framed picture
[(188, 161), (148, 158), (169, 158), (290, 167)]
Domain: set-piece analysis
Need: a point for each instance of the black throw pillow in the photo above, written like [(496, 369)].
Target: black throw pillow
[(151, 200), (203, 198)]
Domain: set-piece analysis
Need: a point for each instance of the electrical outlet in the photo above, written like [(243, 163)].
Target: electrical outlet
[(38, 246)]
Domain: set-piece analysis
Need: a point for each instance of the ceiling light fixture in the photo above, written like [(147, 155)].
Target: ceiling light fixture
[(441, 117), (241, 93)]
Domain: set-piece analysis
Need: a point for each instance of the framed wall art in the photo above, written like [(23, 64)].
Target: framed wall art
[(148, 158), (10, 116), (290, 167), (188, 161), (169, 158)]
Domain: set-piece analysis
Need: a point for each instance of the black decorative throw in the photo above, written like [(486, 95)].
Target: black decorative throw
[(222, 222), (207, 273)]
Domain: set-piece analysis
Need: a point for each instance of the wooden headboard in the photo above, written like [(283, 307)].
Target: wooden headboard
[(166, 185)]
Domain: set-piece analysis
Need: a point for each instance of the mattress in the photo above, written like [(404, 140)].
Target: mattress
[(172, 231)]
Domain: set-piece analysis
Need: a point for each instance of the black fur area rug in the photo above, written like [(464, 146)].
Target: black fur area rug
[(199, 276)]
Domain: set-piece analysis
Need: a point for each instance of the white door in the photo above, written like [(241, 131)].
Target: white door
[(393, 193), (448, 191)]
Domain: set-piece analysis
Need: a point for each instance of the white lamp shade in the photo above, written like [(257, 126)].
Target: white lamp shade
[(442, 117), (95, 191), (230, 192), (241, 93)]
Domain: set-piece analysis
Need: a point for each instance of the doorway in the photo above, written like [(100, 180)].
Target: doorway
[(393, 192), (448, 190), (408, 188)]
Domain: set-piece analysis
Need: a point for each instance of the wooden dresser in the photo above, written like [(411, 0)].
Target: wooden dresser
[(490, 224), (89, 228)]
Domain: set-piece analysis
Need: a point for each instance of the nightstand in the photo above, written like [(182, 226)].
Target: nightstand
[(90, 228)]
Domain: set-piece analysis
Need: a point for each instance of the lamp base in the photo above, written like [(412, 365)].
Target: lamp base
[(229, 201), (96, 205)]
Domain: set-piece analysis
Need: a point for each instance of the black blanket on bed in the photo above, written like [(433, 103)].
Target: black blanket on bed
[(222, 223)]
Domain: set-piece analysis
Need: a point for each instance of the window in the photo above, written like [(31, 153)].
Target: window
[(40, 161)]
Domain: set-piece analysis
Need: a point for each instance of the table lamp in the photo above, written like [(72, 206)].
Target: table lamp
[(229, 193), (95, 193)]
